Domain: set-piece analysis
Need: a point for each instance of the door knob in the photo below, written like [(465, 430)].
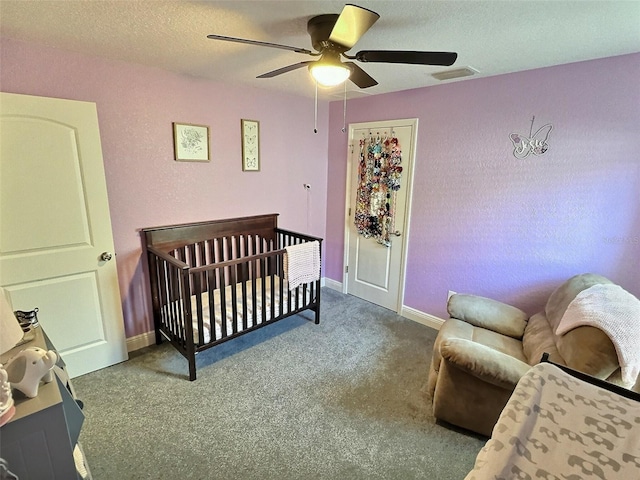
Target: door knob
[(397, 233), (106, 256)]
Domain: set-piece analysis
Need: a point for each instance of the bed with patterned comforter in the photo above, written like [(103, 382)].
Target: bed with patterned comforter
[(557, 426)]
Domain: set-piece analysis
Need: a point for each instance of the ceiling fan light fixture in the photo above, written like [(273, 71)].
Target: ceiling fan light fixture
[(329, 71), (329, 75)]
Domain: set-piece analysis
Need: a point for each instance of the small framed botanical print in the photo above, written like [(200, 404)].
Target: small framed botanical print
[(191, 142), (250, 145)]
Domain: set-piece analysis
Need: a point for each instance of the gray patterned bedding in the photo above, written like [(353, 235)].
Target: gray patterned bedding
[(556, 426)]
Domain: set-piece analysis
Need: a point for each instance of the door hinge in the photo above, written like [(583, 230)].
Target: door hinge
[(349, 214), (346, 269)]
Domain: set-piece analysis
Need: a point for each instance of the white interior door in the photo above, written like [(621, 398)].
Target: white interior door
[(55, 227), (373, 271)]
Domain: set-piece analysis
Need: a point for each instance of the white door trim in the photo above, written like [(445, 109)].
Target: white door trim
[(407, 175)]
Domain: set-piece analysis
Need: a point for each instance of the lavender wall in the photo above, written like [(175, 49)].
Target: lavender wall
[(484, 222), (146, 187)]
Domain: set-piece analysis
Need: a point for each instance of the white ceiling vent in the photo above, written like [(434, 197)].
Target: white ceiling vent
[(457, 73), (338, 94)]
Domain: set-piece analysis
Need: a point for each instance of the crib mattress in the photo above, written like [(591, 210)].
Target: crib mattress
[(280, 307)]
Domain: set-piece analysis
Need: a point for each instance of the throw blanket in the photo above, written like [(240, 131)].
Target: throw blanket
[(556, 426), (302, 263), (617, 313)]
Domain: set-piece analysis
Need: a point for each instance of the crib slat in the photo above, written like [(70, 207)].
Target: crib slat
[(254, 294), (170, 306), (175, 304), (167, 312), (272, 260), (281, 269), (211, 285), (181, 317), (211, 279), (191, 255), (202, 259), (197, 289), (162, 289), (173, 312), (234, 298), (288, 296), (182, 254), (220, 250), (252, 252), (174, 298), (229, 241), (223, 303), (244, 273), (263, 290)]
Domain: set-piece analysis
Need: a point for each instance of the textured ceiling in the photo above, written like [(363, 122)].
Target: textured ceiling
[(493, 37)]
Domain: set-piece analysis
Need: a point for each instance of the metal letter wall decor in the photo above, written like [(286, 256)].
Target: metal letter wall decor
[(535, 143)]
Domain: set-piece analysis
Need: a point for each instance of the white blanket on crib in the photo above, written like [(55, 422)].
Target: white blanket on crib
[(280, 307), (302, 263)]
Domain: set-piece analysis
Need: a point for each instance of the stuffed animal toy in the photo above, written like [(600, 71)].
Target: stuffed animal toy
[(28, 367), (7, 409)]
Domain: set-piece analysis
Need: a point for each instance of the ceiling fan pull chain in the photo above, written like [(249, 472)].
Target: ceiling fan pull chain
[(315, 112), (344, 110)]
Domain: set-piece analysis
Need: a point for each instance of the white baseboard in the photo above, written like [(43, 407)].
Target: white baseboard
[(332, 284), (421, 317), (407, 312), (140, 341)]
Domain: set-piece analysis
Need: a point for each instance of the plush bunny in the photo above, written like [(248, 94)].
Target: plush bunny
[(28, 367)]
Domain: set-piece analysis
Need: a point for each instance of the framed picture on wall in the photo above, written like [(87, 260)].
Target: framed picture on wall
[(191, 142), (250, 145)]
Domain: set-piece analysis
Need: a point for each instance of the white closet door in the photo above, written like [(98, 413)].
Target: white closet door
[(56, 243)]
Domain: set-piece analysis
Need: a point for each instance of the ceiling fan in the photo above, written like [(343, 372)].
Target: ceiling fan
[(332, 35)]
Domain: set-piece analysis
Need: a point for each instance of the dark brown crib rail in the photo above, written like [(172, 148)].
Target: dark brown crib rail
[(241, 258)]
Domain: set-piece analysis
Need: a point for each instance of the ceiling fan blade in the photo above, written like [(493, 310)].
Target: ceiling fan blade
[(260, 44), (361, 78), (352, 23), (406, 56), (282, 70)]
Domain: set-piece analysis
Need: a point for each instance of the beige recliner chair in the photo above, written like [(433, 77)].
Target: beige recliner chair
[(481, 352)]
